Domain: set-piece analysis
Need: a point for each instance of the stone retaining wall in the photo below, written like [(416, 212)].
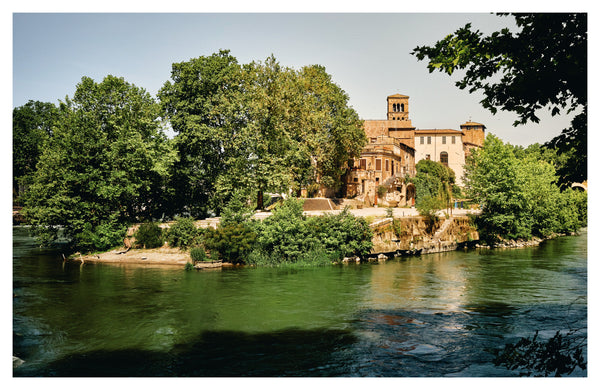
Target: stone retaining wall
[(418, 235)]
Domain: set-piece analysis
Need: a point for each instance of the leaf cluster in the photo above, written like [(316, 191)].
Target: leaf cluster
[(149, 235), (433, 186), (560, 355), (543, 65), (288, 235), (231, 241), (198, 254), (32, 128), (184, 233)]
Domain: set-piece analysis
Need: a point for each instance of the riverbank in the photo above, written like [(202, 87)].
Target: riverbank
[(399, 236), (159, 256)]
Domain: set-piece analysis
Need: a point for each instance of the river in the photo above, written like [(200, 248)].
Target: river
[(438, 315)]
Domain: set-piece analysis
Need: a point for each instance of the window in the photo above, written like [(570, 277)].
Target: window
[(453, 139), (373, 140), (428, 140), (422, 140), (427, 157), (363, 164), (378, 164), (443, 139), (402, 107), (444, 158), (387, 165)]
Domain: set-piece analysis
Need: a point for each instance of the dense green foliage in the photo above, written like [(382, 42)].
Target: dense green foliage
[(149, 235), (102, 168), (255, 128), (231, 242), (184, 233), (433, 186), (544, 64), (101, 161), (32, 128), (288, 236), (519, 197), (198, 254)]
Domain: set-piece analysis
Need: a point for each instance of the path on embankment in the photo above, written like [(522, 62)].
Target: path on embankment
[(377, 212)]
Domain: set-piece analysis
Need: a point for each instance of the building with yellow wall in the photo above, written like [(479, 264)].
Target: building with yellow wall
[(395, 146)]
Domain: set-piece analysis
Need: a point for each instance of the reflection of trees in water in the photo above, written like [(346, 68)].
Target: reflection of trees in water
[(290, 352)]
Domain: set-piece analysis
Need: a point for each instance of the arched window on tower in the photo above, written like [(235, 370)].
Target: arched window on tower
[(402, 107), (395, 108), (444, 158)]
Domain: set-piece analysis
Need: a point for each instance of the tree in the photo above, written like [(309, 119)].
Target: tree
[(542, 65), (255, 128), (32, 127), (202, 104), (518, 196), (103, 167), (300, 131), (258, 160), (333, 133), (433, 186)]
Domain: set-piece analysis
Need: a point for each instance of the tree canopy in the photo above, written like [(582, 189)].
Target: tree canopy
[(434, 186), (518, 194), (544, 64), (103, 166), (255, 128), (32, 127)]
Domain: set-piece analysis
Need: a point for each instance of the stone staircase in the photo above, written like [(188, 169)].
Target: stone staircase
[(443, 228)]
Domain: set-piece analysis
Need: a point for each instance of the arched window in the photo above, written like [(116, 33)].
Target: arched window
[(444, 158), (402, 107), (395, 108)]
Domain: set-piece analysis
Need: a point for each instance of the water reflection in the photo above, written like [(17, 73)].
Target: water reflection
[(290, 352)]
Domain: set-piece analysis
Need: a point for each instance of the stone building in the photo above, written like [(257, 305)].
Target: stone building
[(394, 148)]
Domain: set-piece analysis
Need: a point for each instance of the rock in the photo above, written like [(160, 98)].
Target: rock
[(17, 362), (382, 257)]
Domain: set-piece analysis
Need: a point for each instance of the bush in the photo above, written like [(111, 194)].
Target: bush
[(149, 235), (183, 233), (389, 212), (232, 241), (289, 237), (429, 206), (198, 254), (189, 266)]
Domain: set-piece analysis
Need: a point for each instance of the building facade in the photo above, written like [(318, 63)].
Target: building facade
[(394, 148)]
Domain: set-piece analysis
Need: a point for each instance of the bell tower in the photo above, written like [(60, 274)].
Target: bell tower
[(474, 133), (397, 108)]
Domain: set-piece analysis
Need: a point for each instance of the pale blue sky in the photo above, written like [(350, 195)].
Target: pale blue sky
[(368, 55)]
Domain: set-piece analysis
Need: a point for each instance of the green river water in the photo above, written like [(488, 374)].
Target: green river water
[(433, 315)]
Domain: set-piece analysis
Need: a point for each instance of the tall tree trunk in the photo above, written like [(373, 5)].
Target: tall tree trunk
[(259, 199)]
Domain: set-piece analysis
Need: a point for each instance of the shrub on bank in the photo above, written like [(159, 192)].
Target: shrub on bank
[(232, 241), (198, 254), (184, 233), (149, 235), (289, 237)]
